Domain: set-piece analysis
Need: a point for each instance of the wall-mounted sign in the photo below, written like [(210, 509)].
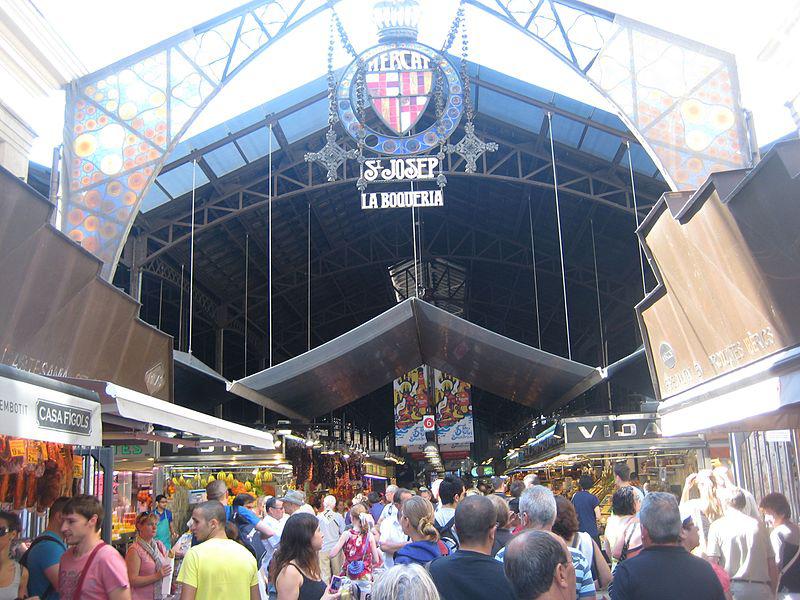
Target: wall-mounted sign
[(37, 413), (63, 417), (612, 428)]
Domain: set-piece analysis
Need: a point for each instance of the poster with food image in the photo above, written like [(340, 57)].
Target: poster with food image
[(453, 400), (410, 405)]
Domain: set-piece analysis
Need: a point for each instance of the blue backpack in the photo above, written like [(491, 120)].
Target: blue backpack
[(249, 536)]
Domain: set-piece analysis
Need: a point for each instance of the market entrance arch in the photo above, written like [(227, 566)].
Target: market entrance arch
[(124, 120)]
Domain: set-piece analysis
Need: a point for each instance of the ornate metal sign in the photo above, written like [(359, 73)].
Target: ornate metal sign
[(396, 100), (399, 80)]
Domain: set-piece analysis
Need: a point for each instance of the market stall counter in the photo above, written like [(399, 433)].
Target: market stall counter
[(574, 446)]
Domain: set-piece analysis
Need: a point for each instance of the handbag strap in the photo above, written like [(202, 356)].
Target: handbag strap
[(624, 552), (79, 587)]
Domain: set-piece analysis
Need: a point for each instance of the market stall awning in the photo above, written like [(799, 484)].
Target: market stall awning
[(761, 396), (402, 338), (198, 385), (129, 408)]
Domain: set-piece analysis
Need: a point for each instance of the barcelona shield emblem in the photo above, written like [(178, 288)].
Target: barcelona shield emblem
[(399, 85), (399, 79)]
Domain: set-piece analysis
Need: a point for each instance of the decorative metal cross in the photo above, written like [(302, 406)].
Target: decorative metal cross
[(331, 156), (471, 147)]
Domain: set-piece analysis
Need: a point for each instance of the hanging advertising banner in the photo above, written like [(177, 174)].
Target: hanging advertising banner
[(453, 399), (410, 406)]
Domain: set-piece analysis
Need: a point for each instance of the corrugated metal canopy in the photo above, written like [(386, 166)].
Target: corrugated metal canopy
[(405, 336)]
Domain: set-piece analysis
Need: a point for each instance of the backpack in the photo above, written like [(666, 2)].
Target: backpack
[(23, 561), (446, 535), (250, 537)]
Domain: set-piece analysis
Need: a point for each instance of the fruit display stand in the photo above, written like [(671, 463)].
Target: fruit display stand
[(256, 480)]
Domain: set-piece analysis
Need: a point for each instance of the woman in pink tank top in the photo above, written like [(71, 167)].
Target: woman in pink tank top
[(147, 560)]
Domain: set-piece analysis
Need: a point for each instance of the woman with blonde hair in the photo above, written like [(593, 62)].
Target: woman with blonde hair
[(147, 560), (405, 582), (417, 520), (701, 499)]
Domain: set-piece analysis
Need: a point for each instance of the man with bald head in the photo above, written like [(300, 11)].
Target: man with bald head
[(470, 572), (539, 566), (217, 567)]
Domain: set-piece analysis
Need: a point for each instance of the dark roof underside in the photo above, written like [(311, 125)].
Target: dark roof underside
[(485, 230)]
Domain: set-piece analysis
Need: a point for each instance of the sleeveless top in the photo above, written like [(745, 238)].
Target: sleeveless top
[(147, 567), (310, 589), (357, 548), (11, 591)]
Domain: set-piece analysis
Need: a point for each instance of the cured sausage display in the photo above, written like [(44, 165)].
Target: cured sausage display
[(33, 474)]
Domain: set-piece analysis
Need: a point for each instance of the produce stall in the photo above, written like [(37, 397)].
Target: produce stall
[(182, 472)]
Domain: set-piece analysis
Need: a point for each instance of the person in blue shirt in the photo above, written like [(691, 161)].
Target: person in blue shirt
[(44, 555), (587, 506), (165, 532), (417, 520)]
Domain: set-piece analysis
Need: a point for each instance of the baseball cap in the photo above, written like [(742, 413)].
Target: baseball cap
[(686, 516)]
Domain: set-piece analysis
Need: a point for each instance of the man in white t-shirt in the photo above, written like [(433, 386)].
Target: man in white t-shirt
[(451, 490), (392, 537), (389, 509), (275, 519), (740, 545)]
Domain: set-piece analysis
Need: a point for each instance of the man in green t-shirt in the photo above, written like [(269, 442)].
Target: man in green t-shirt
[(217, 567)]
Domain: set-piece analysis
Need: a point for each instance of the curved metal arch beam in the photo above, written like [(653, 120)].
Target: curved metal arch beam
[(683, 106), (233, 214), (122, 121)]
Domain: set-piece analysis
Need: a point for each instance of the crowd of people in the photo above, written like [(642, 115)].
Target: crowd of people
[(517, 541)]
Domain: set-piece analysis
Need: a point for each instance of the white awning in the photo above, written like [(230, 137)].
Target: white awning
[(761, 396), (134, 405), (129, 408)]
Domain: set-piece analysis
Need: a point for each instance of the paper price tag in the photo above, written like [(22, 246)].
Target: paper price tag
[(32, 452), (77, 466), (17, 447)]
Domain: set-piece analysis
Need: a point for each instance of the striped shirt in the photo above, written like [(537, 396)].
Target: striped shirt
[(584, 583)]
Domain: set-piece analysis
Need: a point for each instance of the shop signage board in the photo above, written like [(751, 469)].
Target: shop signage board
[(134, 450), (411, 398), (419, 98), (33, 412), (601, 431), (168, 450), (725, 259), (453, 398)]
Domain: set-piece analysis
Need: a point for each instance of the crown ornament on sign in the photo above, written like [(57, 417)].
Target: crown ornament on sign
[(397, 20)]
